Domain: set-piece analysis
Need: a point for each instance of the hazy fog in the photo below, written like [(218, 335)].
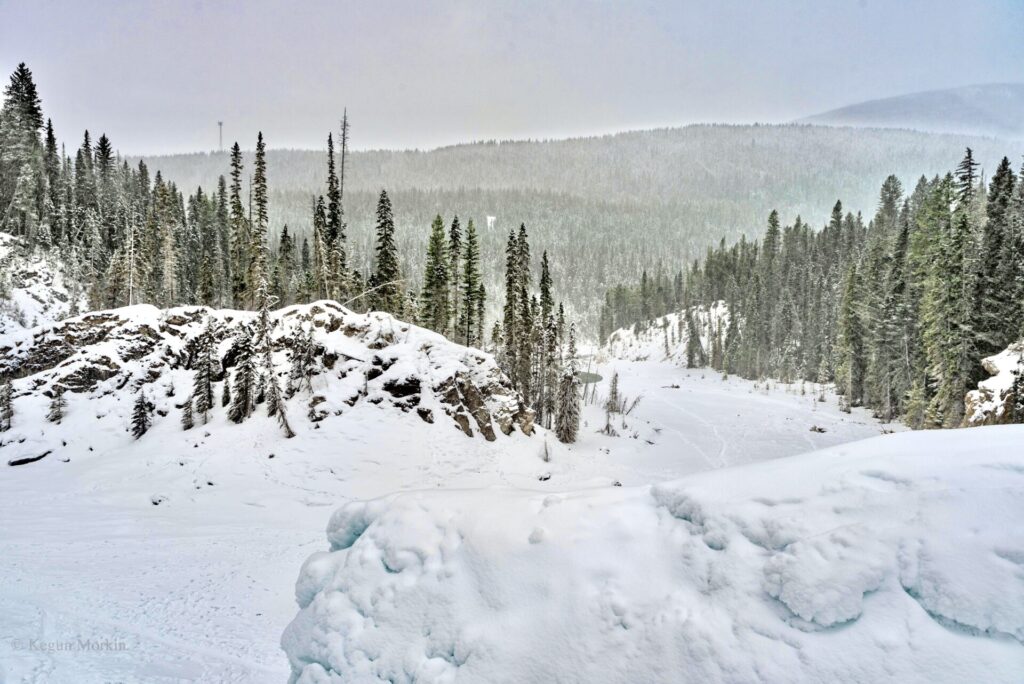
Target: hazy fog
[(157, 76)]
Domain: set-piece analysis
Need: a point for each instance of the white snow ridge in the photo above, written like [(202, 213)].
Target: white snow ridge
[(894, 559)]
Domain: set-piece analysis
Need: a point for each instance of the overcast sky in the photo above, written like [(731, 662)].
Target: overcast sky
[(157, 76)]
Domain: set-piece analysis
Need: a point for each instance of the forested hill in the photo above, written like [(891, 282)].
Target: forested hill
[(610, 206), (995, 109)]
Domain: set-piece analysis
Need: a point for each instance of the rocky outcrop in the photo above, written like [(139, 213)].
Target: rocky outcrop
[(992, 402), (356, 358)]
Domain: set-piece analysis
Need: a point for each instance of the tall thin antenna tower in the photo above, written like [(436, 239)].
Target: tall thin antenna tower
[(220, 135)]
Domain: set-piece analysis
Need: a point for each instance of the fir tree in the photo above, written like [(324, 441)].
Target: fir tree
[(470, 321), (240, 239), (435, 296), (140, 415), (202, 387), (6, 404), (568, 420), (243, 393), (386, 281), (453, 262), (302, 360), (260, 218), (187, 420), (58, 405)]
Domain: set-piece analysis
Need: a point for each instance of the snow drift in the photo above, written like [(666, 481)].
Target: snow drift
[(895, 559), (102, 359)]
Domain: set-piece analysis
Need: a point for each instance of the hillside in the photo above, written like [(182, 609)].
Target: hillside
[(34, 288), (363, 368), (995, 110), (604, 207)]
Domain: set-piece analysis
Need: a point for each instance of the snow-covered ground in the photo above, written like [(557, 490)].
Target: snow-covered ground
[(894, 559), (200, 587)]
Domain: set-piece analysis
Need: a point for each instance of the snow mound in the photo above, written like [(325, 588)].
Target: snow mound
[(33, 289), (102, 359), (894, 559), (665, 338), (990, 403)]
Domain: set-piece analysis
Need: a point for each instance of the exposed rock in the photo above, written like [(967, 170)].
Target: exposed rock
[(356, 357), (991, 403)]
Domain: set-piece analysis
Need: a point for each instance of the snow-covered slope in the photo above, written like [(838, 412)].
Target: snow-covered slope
[(895, 559), (665, 337), (33, 290), (104, 358), (990, 403)]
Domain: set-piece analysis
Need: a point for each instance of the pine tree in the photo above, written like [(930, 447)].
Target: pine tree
[(453, 262), (471, 288), (334, 228), (851, 370), (509, 328), (243, 393), (568, 420), (58, 405), (695, 354), (241, 241), (301, 374), (614, 402), (435, 296), (6, 404), (140, 415), (320, 266), (271, 389), (202, 387), (386, 281), (260, 219), (187, 420)]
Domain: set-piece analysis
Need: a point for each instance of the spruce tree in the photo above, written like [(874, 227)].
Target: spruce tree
[(187, 419), (386, 282), (258, 268), (453, 264), (240, 239), (202, 387), (6, 404), (140, 415), (302, 360), (568, 420), (435, 297), (58, 405), (243, 393), (471, 289)]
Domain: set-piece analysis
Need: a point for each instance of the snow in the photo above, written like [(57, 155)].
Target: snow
[(987, 404), (32, 289), (667, 332), (883, 560), (200, 586), (173, 558)]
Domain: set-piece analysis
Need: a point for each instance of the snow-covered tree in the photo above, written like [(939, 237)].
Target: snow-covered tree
[(58, 405), (141, 419), (567, 423), (6, 404)]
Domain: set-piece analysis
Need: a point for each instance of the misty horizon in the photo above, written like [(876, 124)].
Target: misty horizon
[(422, 77)]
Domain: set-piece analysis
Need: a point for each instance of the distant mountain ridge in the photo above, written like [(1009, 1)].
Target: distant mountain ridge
[(995, 109)]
